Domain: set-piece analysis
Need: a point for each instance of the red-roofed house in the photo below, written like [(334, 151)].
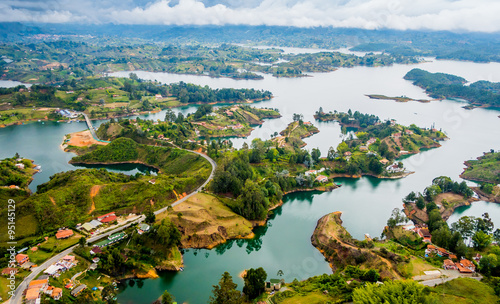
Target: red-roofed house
[(396, 135), (32, 294), (468, 265), (22, 258), (40, 285), (95, 250), (442, 252), (107, 218), (448, 264), (322, 179), (56, 293), (64, 234), (425, 234), (8, 271)]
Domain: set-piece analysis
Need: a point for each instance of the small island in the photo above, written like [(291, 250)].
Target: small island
[(297, 130), (397, 99)]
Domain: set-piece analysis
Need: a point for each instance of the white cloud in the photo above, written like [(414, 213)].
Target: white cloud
[(469, 15)]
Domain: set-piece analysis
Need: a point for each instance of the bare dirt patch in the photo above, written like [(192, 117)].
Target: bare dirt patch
[(83, 139)]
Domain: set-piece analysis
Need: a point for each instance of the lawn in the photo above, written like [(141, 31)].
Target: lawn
[(59, 245), (310, 298), (465, 290)]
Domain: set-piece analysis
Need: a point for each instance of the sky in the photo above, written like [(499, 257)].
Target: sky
[(454, 15)]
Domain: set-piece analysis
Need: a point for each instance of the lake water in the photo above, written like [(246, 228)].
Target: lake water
[(366, 203)]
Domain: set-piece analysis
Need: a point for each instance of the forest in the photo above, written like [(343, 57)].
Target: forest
[(440, 85)]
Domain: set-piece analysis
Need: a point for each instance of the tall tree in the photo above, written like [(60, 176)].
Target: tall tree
[(167, 298), (255, 280), (225, 292)]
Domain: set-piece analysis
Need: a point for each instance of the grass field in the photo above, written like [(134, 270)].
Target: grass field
[(203, 214), (310, 298), (23, 114), (465, 291)]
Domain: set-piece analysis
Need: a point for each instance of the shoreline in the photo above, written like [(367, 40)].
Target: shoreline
[(157, 110)]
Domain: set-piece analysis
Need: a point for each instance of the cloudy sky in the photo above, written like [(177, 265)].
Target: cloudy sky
[(457, 15)]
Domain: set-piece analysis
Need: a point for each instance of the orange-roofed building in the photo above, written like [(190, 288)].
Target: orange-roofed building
[(22, 258), (452, 256), (32, 294), (442, 252), (64, 234), (57, 293), (468, 264), (39, 284), (448, 264)]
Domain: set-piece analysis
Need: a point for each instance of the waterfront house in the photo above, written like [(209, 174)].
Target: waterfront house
[(449, 265), (22, 258), (322, 179), (19, 166), (274, 284), (64, 234), (75, 292)]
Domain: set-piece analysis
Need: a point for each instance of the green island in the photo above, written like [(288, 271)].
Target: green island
[(397, 99), (376, 144), (105, 97), (439, 85), (293, 134)]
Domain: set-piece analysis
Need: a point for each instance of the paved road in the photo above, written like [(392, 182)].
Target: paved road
[(18, 294), (17, 298)]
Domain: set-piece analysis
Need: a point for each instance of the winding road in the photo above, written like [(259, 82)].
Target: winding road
[(18, 293)]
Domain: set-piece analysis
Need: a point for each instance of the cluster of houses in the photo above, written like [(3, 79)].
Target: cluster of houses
[(41, 286), (64, 264), (93, 224), (452, 262)]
